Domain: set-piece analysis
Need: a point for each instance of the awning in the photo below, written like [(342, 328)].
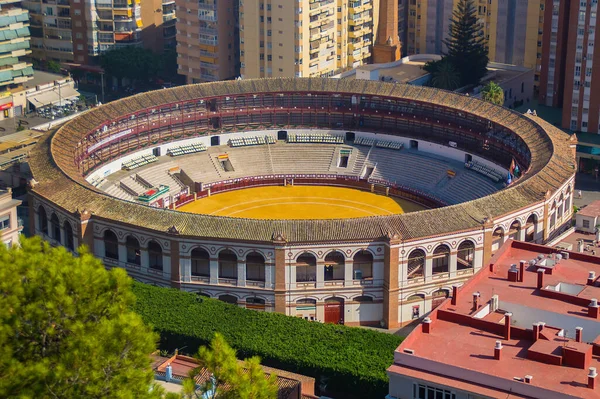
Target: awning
[(52, 97)]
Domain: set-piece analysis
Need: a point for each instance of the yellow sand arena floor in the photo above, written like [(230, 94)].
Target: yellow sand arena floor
[(299, 202)]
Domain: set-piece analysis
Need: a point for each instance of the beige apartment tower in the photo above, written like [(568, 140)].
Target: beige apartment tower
[(283, 38), (207, 40)]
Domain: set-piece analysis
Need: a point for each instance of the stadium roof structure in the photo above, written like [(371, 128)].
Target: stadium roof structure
[(59, 180)]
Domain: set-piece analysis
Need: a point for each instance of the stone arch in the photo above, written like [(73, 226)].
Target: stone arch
[(514, 230), (335, 262), (42, 220), (55, 227), (306, 267), (465, 255), (441, 259), (255, 303), (334, 252), (367, 249), (155, 255), (531, 227), (416, 264), (438, 297), (111, 245), (497, 237), (228, 264), (69, 242), (200, 262), (305, 252), (363, 299), (255, 266), (362, 267), (228, 298), (133, 249)]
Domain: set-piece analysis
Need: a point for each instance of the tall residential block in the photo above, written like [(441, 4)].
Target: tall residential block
[(283, 38), (513, 28), (14, 44), (207, 40), (72, 31)]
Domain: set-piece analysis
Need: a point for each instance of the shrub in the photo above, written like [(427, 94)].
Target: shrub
[(352, 360)]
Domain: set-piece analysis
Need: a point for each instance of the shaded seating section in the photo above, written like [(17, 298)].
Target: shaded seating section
[(186, 149), (485, 170), (320, 138), (139, 162), (158, 176), (249, 141), (364, 141), (392, 145), (466, 186), (115, 190)]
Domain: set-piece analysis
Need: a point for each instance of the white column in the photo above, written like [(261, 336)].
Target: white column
[(349, 273), (269, 272), (166, 258), (144, 260), (185, 265), (214, 271), (122, 253), (538, 236), (241, 273), (453, 264), (36, 219), (521, 234), (320, 275), (402, 273), (99, 247), (428, 268), (62, 235), (478, 260), (75, 242)]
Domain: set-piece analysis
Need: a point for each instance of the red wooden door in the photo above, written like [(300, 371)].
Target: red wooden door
[(334, 311)]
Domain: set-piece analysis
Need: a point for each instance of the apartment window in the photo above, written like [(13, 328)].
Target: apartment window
[(262, 19), (269, 57), (577, 71), (78, 35), (280, 70), (77, 12), (268, 7), (421, 391), (269, 33), (262, 57), (4, 222), (586, 224), (583, 124)]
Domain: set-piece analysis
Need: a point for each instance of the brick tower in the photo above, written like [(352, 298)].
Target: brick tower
[(387, 45)]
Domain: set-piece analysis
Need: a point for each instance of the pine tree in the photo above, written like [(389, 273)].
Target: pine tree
[(466, 45)]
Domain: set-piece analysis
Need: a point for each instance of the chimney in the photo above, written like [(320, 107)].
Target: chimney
[(591, 278), (540, 278), (498, 350), (528, 379), (521, 270), (592, 377), (536, 331), (426, 325), (513, 273), (475, 300), (542, 325), (593, 309), (492, 267), (454, 295), (578, 334), (507, 320)]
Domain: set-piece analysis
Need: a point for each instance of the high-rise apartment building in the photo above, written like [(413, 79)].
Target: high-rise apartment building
[(513, 28), (207, 40), (14, 44), (77, 31), (306, 38), (569, 74)]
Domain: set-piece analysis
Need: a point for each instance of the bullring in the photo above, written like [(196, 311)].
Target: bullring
[(307, 268)]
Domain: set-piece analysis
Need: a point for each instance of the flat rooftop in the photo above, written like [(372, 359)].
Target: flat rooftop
[(463, 332), (403, 73)]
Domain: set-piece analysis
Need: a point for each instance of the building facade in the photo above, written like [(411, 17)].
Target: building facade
[(10, 224), (14, 45), (76, 32), (207, 40), (513, 29), (327, 36)]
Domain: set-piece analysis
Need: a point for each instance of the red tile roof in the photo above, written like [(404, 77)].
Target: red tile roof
[(592, 209), (461, 346)]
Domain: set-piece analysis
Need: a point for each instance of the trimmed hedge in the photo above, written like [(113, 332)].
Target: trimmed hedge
[(352, 360)]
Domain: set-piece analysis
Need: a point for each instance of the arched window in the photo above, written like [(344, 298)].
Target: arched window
[(364, 299), (514, 230), (155, 256), (531, 227), (111, 245), (306, 268), (416, 264), (466, 255), (363, 265), (228, 299), (441, 259), (438, 297), (133, 251), (334, 266), (200, 263), (255, 303), (497, 238), (55, 227), (68, 236), (255, 267), (43, 220), (227, 264)]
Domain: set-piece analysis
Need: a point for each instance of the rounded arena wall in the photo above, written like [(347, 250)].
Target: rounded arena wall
[(381, 270)]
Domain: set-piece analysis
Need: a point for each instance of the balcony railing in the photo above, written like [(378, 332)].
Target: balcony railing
[(228, 281)]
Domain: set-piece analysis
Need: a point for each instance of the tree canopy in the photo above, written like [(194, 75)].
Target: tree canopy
[(445, 76), (230, 379), (67, 329), (134, 63), (466, 44), (493, 93)]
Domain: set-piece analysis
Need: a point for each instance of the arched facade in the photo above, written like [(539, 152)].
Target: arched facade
[(412, 256)]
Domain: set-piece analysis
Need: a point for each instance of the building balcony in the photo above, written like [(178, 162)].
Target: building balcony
[(252, 283), (200, 279), (169, 17), (227, 281)]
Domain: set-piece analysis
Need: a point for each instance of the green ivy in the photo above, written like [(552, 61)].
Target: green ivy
[(353, 360)]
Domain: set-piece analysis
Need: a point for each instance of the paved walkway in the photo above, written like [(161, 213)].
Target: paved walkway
[(590, 189)]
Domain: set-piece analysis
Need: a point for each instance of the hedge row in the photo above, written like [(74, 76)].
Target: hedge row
[(351, 360)]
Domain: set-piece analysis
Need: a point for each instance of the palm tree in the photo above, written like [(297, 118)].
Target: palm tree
[(445, 76), (493, 93)]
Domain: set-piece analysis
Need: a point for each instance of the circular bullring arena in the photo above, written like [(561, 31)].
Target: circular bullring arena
[(341, 201)]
